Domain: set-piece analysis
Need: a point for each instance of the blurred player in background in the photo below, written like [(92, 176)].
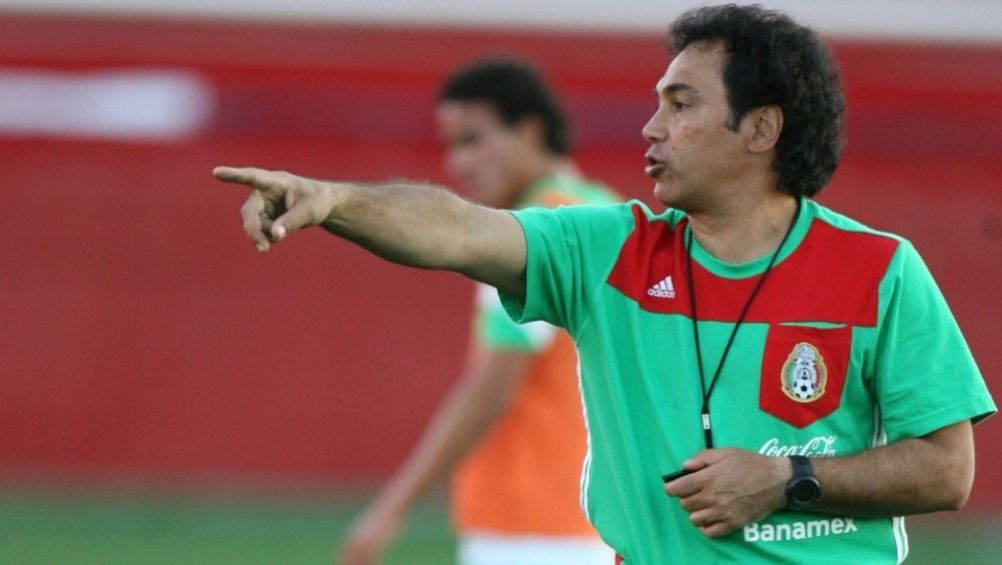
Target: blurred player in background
[(513, 421)]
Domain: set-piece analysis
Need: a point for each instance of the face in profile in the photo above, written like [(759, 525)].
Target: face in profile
[(483, 153), (693, 151)]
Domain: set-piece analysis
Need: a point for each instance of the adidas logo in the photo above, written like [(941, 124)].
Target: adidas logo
[(663, 289)]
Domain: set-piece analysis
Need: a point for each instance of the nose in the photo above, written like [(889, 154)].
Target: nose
[(656, 128)]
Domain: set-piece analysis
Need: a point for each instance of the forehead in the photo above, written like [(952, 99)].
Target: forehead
[(700, 66), (467, 113)]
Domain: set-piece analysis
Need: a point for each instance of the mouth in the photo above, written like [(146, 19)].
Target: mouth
[(655, 167)]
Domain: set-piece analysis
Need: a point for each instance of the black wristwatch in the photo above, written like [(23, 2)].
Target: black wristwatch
[(803, 491)]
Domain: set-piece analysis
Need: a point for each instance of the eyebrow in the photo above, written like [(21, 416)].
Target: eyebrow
[(679, 87)]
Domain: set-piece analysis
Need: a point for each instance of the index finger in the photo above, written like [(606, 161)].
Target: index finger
[(245, 175), (686, 485), (272, 184)]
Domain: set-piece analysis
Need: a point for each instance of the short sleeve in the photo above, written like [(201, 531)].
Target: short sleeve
[(549, 270), (494, 329), (569, 253), (925, 375)]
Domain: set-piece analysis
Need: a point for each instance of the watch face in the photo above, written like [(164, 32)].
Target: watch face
[(804, 492)]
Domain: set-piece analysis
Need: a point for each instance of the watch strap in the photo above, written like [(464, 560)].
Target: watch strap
[(801, 466)]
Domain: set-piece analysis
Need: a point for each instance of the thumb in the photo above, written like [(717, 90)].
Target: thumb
[(294, 219)]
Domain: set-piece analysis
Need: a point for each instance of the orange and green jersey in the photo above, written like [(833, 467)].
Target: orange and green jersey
[(524, 477), (849, 345)]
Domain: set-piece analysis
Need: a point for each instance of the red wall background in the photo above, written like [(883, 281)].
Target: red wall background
[(141, 335)]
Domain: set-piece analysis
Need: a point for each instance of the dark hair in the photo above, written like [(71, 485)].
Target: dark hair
[(515, 90), (773, 60)]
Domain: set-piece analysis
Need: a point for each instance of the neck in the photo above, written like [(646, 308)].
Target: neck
[(738, 234), (554, 166), (543, 168)]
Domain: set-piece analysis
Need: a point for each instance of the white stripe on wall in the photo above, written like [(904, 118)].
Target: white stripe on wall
[(130, 105)]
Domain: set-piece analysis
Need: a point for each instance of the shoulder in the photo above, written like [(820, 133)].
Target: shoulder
[(860, 253), (630, 215), (849, 239), (846, 225), (582, 216), (601, 228)]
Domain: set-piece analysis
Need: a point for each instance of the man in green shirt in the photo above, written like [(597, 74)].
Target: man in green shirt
[(801, 371)]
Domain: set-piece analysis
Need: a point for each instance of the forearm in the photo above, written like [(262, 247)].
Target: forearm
[(424, 226), (469, 411), (405, 222), (408, 223), (912, 476), (730, 488)]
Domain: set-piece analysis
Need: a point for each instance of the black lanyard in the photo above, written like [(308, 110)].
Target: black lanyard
[(707, 429)]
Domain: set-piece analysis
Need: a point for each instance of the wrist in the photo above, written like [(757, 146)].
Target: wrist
[(783, 474), (337, 198), (803, 490)]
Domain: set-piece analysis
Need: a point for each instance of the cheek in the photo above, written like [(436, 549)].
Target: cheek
[(492, 157), (465, 161), (481, 168), (681, 135), (696, 144)]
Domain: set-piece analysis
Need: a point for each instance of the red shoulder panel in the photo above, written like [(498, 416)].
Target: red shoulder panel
[(834, 276)]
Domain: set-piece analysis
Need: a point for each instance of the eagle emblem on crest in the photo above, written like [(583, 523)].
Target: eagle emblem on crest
[(804, 373)]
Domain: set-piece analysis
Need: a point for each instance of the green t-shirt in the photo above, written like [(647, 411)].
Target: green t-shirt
[(493, 328), (854, 310)]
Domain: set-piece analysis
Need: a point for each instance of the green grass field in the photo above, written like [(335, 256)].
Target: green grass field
[(39, 527)]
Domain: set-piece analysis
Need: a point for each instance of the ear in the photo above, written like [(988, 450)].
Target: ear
[(531, 128), (764, 125)]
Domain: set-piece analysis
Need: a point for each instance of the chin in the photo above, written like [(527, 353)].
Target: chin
[(664, 194), (480, 196)]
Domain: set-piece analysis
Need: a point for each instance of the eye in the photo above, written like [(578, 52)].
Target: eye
[(467, 138), (678, 106)]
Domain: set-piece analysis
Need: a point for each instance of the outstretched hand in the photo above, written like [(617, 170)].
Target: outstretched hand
[(730, 488), (280, 204)]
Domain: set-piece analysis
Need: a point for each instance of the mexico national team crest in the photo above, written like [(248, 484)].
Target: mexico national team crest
[(804, 375), (804, 371)]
